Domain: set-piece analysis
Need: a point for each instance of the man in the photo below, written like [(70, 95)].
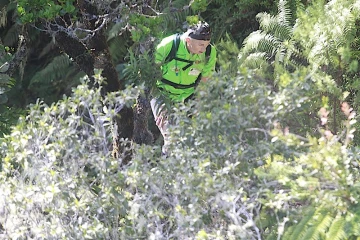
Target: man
[(193, 61)]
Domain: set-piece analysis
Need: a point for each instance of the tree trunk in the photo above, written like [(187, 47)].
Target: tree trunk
[(77, 51), (95, 52), (141, 134)]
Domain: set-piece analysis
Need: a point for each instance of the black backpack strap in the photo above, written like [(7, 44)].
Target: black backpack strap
[(207, 52), (185, 60), (177, 85), (174, 48), (182, 86), (207, 57)]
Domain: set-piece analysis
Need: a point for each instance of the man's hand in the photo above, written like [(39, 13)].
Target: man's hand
[(204, 79), (161, 119)]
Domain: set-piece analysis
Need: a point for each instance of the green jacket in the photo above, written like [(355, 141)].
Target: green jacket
[(173, 70)]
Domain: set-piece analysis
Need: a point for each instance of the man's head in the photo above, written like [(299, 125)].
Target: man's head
[(198, 37)]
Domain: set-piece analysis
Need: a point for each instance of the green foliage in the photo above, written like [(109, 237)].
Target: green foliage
[(6, 7), (319, 178), (199, 5), (140, 70), (58, 76), (9, 34), (33, 10), (192, 19), (329, 49), (5, 57), (337, 230), (270, 46), (57, 66), (249, 162), (176, 21), (325, 42), (203, 187), (8, 118), (321, 57), (298, 231), (144, 26), (233, 171), (118, 48), (227, 54), (63, 153), (325, 223), (174, 17), (236, 18), (6, 81)]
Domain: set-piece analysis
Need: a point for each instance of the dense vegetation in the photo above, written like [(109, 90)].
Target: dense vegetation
[(268, 150)]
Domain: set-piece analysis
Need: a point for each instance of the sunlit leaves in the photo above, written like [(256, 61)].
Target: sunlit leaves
[(34, 10)]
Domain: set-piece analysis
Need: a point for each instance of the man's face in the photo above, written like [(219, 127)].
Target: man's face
[(196, 46)]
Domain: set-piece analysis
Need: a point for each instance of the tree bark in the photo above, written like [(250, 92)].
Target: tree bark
[(95, 52), (77, 51)]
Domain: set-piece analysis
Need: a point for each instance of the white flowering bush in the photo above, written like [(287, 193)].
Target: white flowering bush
[(204, 189), (58, 179), (228, 174)]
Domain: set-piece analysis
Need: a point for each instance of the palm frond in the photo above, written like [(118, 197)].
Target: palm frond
[(266, 21), (352, 224), (174, 15), (3, 16), (261, 42), (57, 68), (310, 234), (294, 54), (317, 226), (58, 77), (272, 25), (323, 225), (119, 49), (273, 38), (8, 118), (255, 60), (174, 21), (48, 48), (335, 27), (336, 230), (300, 229), (12, 36), (115, 30), (284, 14)]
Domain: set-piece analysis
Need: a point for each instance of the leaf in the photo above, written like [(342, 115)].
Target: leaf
[(3, 98), (336, 230), (300, 228), (4, 78), (4, 67)]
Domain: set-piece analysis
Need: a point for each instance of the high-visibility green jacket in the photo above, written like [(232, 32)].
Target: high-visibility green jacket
[(173, 71)]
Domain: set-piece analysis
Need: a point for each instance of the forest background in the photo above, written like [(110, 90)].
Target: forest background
[(269, 152)]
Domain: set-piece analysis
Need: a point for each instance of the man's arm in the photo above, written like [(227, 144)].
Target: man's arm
[(162, 50), (209, 67)]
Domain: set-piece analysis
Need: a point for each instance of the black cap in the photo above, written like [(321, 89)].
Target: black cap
[(200, 31)]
